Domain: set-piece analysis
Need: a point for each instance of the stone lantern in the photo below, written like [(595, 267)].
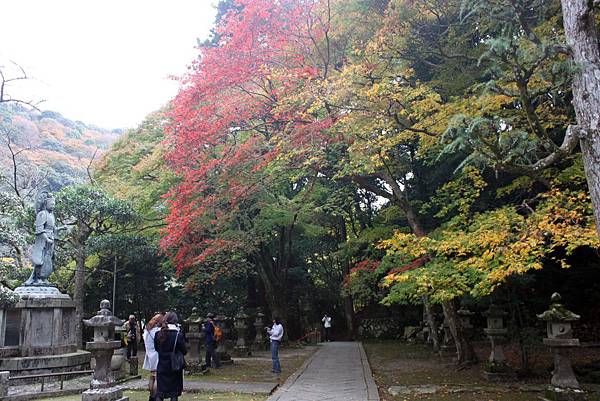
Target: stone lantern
[(448, 346), (241, 326), (223, 322), (465, 315), (564, 384), (259, 324), (193, 337), (496, 368), (102, 348)]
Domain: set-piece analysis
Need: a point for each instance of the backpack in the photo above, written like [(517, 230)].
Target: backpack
[(218, 333)]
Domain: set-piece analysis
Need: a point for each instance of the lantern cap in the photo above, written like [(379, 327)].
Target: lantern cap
[(104, 317), (558, 312)]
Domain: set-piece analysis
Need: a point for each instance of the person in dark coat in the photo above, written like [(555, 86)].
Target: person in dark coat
[(211, 344), (170, 337)]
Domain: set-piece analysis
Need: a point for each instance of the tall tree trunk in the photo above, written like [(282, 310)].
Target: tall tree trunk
[(464, 348), (347, 299), (79, 292), (429, 316), (582, 38), (82, 236), (275, 294)]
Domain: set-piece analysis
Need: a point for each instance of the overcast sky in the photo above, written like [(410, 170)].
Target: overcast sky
[(102, 62)]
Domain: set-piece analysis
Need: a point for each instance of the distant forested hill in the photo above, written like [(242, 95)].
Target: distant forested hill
[(46, 143)]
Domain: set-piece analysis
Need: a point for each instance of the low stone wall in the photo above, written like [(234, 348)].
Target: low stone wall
[(380, 328)]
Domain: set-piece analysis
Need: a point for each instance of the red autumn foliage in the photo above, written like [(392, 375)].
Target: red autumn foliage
[(410, 266), (224, 125), (367, 265)]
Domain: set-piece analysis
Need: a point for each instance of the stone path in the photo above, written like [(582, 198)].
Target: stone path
[(338, 371), (198, 386)]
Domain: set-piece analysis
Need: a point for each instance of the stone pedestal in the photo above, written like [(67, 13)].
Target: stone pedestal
[(103, 352), (37, 334), (222, 346)]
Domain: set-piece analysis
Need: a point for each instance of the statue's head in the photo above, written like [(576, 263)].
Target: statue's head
[(50, 203), (45, 202)]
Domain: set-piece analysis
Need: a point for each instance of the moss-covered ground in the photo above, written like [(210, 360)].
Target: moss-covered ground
[(400, 364)]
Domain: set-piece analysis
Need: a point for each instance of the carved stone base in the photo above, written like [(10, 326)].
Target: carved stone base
[(40, 291), (241, 350), (497, 377), (563, 394), (105, 394), (23, 366), (447, 351)]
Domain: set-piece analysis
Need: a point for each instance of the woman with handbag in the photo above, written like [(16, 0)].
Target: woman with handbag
[(171, 347)]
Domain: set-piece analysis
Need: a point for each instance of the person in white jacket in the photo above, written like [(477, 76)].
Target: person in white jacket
[(276, 334), (327, 326), (151, 357)]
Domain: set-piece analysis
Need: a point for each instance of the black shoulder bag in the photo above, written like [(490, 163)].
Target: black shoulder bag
[(177, 361)]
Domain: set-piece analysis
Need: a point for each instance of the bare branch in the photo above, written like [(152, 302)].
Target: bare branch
[(5, 80), (89, 166)]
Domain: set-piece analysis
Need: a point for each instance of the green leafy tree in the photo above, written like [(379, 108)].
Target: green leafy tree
[(91, 212)]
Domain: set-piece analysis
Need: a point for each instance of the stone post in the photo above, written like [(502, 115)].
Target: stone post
[(102, 348), (133, 366), (564, 385), (241, 326), (2, 325), (223, 322), (496, 368), (193, 337), (4, 375)]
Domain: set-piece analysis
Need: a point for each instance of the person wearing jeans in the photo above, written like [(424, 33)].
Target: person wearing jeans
[(276, 334)]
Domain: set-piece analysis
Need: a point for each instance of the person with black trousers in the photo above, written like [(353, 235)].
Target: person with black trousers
[(169, 340), (132, 333), (210, 343)]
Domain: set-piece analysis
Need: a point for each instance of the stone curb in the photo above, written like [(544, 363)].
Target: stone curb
[(372, 393), (45, 394), (191, 386)]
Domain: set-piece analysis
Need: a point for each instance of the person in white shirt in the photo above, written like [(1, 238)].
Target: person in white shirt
[(327, 325), (276, 334), (151, 357)]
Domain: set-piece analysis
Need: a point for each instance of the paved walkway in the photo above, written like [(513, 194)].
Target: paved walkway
[(338, 371)]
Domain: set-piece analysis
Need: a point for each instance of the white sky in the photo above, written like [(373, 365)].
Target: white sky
[(104, 62)]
